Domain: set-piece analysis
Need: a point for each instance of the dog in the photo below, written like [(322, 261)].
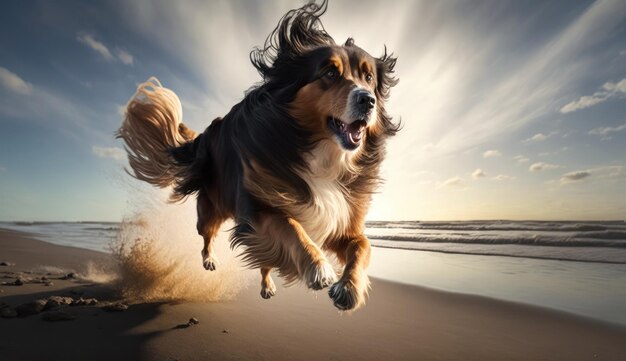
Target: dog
[(295, 163)]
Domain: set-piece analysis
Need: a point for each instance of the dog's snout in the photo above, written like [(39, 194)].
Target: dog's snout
[(365, 101)]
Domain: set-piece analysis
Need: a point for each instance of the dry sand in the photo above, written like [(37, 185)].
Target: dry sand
[(400, 322)]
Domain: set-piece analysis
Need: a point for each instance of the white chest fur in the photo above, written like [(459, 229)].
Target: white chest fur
[(329, 211)]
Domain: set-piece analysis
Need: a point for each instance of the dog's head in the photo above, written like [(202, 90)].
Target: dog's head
[(333, 91)]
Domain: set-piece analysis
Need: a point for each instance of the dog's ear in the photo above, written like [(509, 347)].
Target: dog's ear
[(386, 80), (349, 42)]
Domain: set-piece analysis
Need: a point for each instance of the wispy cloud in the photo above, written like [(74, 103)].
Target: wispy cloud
[(609, 90), (99, 47), (540, 166), (605, 132), (125, 57), (491, 153), (14, 83), (109, 152), (478, 173), (539, 137), (521, 159), (95, 45), (503, 177), (454, 182)]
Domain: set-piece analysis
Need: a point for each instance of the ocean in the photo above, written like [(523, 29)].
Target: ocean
[(572, 266)]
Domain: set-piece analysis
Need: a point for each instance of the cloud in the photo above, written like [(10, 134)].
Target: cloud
[(538, 167), (109, 152), (539, 137), (606, 131), (574, 176), (454, 182), (121, 55), (608, 173), (125, 57), (14, 83), (478, 173), (503, 177), (94, 44), (609, 91), (521, 159), (492, 153)]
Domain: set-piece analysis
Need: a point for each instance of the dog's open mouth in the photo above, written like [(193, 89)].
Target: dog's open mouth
[(351, 134)]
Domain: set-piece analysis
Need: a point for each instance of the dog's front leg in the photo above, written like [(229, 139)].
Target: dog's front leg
[(283, 243), (351, 290)]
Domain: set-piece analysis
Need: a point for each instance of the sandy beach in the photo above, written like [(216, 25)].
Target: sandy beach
[(400, 322)]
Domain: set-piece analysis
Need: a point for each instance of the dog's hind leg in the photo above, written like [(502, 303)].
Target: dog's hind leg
[(268, 288), (208, 225)]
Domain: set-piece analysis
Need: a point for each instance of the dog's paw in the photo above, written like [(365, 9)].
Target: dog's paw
[(346, 296), (320, 275), (209, 261), (269, 290)]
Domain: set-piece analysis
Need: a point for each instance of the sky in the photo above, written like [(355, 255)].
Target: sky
[(510, 109)]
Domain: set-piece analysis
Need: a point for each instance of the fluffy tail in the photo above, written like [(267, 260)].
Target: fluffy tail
[(152, 129)]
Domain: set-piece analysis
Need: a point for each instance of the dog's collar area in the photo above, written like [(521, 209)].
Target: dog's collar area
[(350, 135)]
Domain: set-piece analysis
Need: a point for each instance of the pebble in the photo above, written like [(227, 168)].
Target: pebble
[(18, 282), (84, 302), (5, 263), (193, 321), (115, 307), (48, 283), (30, 308), (57, 301), (225, 331), (55, 316), (78, 302)]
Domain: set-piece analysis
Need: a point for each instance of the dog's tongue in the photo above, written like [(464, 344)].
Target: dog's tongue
[(354, 131)]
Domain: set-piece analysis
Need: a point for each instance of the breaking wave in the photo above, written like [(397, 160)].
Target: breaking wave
[(600, 241)]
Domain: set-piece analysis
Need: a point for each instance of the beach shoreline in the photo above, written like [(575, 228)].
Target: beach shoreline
[(400, 322)]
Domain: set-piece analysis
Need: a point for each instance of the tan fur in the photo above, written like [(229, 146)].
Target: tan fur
[(152, 125)]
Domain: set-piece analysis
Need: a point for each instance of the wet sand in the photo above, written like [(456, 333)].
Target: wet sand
[(399, 322)]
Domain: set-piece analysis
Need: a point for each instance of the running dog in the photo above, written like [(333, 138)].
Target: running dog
[(294, 163)]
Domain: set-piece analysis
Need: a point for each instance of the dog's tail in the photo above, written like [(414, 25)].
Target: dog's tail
[(160, 147)]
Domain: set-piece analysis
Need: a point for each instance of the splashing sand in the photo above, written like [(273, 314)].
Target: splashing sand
[(158, 255)]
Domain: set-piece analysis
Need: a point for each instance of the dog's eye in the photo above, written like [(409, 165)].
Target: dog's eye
[(331, 74), (369, 77)]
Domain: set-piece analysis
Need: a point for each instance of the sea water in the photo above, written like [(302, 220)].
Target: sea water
[(577, 267)]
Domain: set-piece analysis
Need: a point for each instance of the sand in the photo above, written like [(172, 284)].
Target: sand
[(399, 322)]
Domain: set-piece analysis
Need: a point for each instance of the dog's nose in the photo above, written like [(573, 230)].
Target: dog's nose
[(365, 101)]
